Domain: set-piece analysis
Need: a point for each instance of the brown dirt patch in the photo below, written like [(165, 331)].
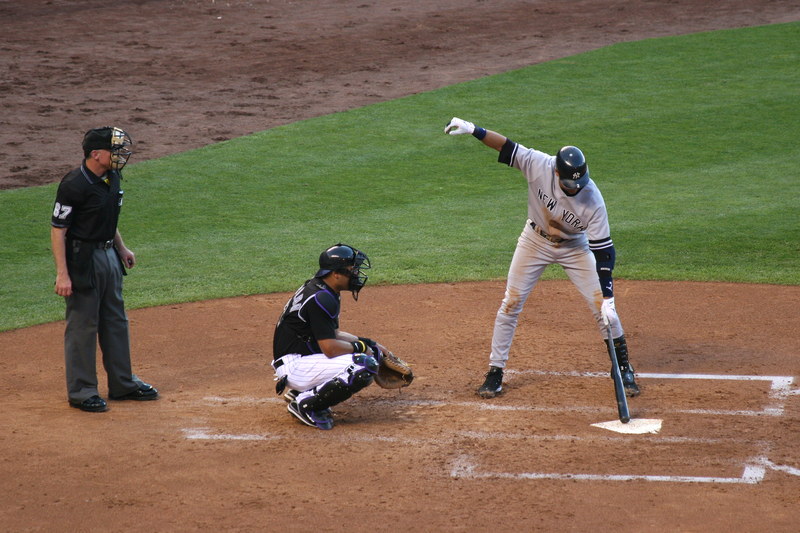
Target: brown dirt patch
[(220, 452), (186, 73)]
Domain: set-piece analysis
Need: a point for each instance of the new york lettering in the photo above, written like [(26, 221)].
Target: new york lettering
[(548, 202)]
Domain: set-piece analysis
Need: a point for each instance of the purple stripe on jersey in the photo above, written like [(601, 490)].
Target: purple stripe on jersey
[(322, 306)]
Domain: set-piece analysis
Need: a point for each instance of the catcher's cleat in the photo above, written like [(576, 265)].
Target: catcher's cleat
[(631, 388), (318, 419), (291, 395), (493, 384)]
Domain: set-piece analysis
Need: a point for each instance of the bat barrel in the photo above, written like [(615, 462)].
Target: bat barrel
[(619, 388)]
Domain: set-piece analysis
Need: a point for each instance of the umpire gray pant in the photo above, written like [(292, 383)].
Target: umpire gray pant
[(98, 314)]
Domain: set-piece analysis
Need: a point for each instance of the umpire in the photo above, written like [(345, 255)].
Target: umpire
[(90, 261)]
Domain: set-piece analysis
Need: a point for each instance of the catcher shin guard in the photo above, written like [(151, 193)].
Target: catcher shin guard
[(357, 376), (625, 367)]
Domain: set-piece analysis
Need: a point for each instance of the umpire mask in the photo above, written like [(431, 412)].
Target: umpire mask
[(115, 140)]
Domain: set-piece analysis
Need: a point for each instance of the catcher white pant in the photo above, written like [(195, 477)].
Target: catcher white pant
[(309, 371), (532, 255)]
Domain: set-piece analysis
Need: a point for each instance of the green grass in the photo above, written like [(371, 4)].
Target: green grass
[(691, 139)]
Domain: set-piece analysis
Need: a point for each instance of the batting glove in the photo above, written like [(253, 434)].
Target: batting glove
[(459, 127), (609, 312)]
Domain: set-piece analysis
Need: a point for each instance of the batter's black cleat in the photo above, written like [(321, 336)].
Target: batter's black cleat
[(95, 404), (318, 419), (625, 367), (628, 381), (493, 384), (144, 393)]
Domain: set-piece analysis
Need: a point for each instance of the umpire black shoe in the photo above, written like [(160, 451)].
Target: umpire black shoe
[(628, 380), (144, 393), (95, 404), (493, 384)]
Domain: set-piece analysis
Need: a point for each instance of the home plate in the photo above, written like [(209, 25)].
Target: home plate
[(635, 426)]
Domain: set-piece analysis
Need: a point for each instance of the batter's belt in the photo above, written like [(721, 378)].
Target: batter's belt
[(541, 232)]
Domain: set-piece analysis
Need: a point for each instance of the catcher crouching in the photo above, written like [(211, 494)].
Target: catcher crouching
[(320, 365)]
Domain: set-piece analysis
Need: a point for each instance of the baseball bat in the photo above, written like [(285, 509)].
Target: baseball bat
[(619, 388)]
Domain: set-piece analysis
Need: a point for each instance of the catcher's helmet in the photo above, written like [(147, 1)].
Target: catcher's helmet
[(107, 138), (340, 258), (572, 169)]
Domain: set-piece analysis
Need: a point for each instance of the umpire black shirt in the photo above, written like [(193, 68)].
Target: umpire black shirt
[(87, 205)]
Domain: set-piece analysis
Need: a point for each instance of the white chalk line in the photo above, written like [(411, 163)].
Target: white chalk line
[(780, 389), (754, 470), (464, 468), (205, 434), (753, 473), (781, 468)]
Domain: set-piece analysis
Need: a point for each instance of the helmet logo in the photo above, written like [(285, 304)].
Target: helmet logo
[(576, 175)]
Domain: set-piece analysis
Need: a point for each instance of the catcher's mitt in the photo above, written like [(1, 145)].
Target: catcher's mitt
[(393, 372)]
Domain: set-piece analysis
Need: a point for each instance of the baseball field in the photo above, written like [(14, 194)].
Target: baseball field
[(265, 131)]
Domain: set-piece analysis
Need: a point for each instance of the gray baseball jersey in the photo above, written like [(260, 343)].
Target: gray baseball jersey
[(561, 229), (551, 209)]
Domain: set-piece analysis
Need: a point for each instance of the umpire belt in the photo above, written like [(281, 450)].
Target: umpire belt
[(102, 245), (547, 236)]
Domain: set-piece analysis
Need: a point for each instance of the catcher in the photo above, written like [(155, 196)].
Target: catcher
[(321, 365)]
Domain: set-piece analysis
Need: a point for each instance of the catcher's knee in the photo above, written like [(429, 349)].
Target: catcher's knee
[(361, 373), (368, 362), (355, 377)]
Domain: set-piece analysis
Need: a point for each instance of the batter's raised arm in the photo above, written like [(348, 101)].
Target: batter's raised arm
[(488, 137)]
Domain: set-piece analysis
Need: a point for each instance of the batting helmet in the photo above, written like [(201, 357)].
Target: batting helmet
[(340, 258), (107, 138), (572, 169)]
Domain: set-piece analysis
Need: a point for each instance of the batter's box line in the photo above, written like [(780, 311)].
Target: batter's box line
[(206, 434), (754, 471), (779, 391)]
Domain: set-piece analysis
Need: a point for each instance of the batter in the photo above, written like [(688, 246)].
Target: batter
[(567, 225)]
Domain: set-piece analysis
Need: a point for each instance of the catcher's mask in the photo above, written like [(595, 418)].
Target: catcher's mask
[(345, 260), (115, 140), (572, 169)]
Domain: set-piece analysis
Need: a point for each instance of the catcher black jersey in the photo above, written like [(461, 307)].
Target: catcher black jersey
[(312, 314)]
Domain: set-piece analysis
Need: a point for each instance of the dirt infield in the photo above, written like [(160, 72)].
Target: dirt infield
[(181, 74), (717, 362), (219, 451)]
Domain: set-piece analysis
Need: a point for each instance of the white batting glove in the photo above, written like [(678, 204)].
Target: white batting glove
[(609, 312), (459, 127)]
